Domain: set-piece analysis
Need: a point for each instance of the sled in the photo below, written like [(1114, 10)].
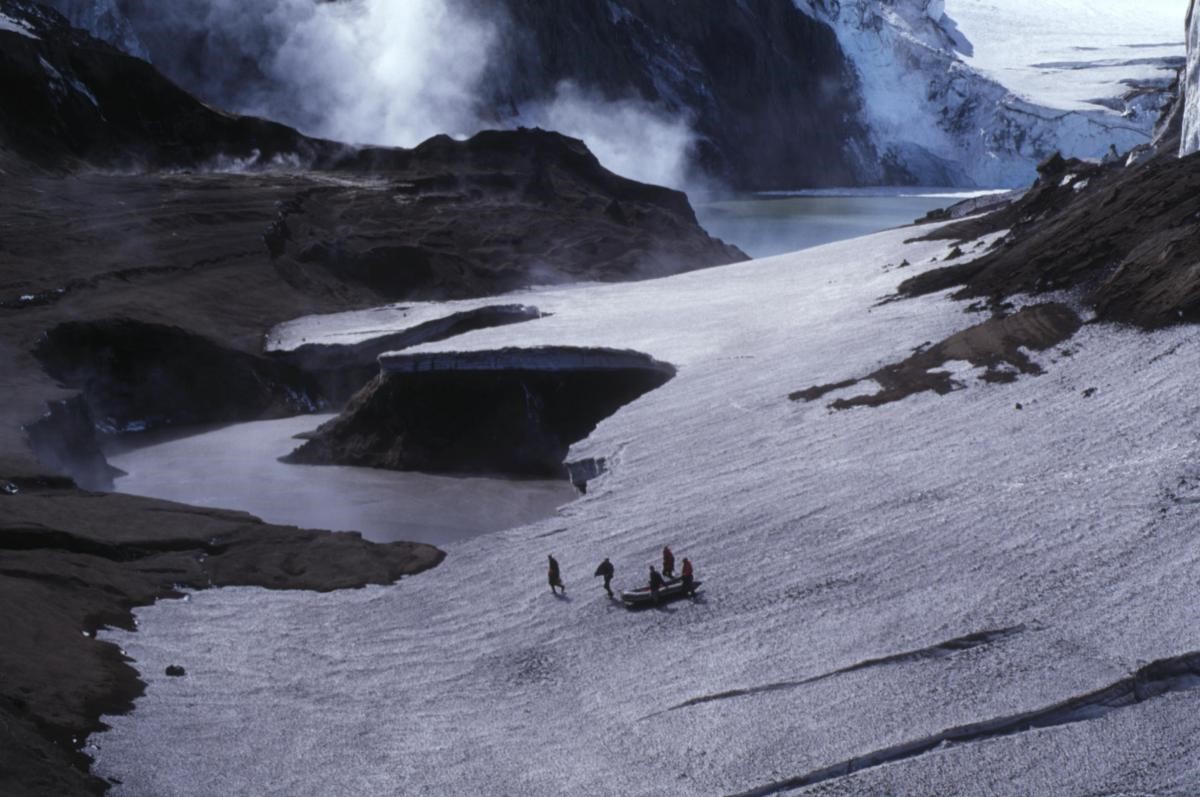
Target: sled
[(671, 590)]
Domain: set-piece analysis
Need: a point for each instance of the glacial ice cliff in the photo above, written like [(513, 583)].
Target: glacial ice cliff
[(1190, 86), (934, 116)]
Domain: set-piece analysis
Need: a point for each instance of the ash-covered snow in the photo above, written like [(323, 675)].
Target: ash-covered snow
[(1064, 529)]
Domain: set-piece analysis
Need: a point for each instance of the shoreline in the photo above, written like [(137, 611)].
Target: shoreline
[(73, 562)]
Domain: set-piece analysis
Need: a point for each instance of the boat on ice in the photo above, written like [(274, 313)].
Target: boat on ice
[(670, 590)]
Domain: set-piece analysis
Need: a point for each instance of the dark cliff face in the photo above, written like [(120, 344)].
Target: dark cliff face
[(766, 89), (70, 99)]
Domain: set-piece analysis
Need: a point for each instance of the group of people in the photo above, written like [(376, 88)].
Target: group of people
[(657, 580)]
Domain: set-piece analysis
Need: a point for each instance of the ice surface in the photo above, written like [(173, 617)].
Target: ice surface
[(1191, 87), (979, 95), (824, 539), (1091, 44)]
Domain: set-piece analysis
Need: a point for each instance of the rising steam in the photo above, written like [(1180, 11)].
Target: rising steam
[(388, 72)]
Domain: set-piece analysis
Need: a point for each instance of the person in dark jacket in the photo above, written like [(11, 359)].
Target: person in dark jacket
[(656, 583), (606, 569), (688, 578), (555, 577), (668, 562)]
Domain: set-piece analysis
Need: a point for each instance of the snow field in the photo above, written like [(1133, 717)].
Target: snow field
[(1013, 40), (824, 539)]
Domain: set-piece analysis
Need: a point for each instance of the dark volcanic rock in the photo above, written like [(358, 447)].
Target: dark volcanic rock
[(1127, 237), (137, 376), (513, 411), (64, 439), (768, 89), (772, 95), (175, 671), (83, 101), (500, 211)]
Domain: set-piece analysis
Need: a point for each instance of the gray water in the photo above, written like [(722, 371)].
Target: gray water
[(235, 467), (764, 226)]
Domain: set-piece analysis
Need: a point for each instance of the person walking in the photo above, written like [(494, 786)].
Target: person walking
[(688, 578), (555, 577), (668, 562), (606, 569), (656, 583)]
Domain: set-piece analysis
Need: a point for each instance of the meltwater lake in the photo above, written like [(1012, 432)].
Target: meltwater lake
[(236, 466), (772, 224)]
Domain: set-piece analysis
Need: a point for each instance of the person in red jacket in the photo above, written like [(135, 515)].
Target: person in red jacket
[(688, 578), (668, 562)]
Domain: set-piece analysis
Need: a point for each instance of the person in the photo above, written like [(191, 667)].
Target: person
[(554, 577), (688, 578), (656, 583), (668, 562), (606, 569)]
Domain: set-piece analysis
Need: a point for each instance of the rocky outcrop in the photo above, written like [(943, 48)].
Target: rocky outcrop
[(533, 207), (512, 411), (71, 99), (136, 376), (1125, 238), (65, 441)]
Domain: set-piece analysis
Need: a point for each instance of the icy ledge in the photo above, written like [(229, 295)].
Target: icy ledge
[(546, 358), (511, 411)]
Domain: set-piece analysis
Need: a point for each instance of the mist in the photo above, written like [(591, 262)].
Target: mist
[(391, 74), (630, 137)]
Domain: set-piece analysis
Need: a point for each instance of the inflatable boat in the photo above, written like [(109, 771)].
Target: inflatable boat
[(672, 589)]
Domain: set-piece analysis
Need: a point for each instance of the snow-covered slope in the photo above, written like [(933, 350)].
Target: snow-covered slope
[(957, 93), (873, 577)]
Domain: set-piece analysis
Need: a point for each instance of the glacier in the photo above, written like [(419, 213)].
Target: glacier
[(875, 578), (976, 93), (1190, 141)]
